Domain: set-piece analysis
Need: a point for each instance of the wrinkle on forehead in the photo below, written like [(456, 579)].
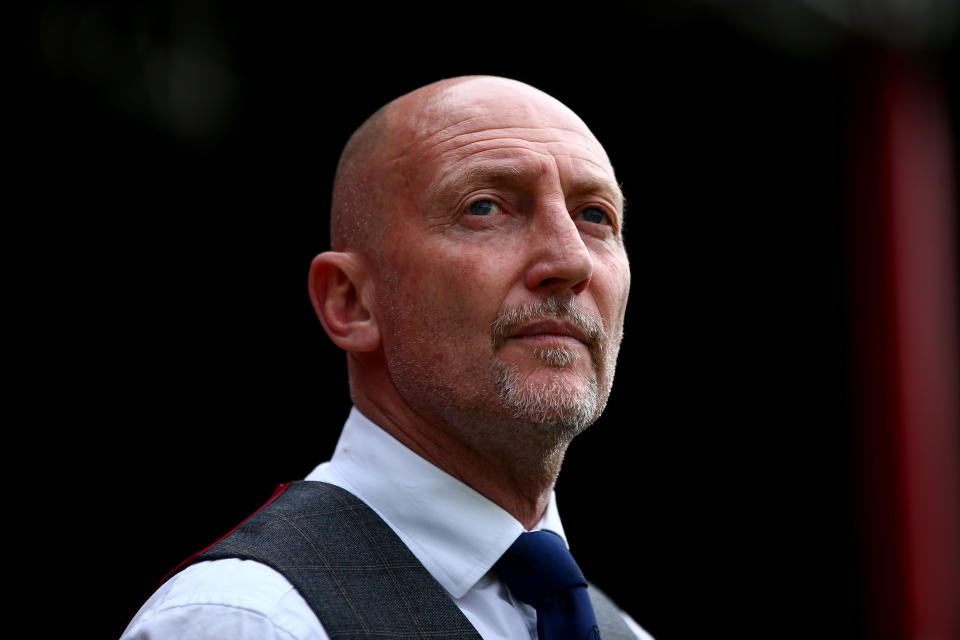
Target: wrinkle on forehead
[(521, 145), (496, 132), (435, 137), (479, 140)]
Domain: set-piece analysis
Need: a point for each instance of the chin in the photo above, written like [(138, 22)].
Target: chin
[(558, 401)]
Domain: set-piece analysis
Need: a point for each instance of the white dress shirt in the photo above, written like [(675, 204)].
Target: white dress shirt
[(456, 533)]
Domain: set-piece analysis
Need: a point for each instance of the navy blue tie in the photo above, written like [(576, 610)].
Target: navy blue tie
[(540, 571)]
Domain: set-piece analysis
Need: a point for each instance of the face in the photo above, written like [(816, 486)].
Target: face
[(503, 275)]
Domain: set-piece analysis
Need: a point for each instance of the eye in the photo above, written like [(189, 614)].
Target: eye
[(595, 215), (482, 208)]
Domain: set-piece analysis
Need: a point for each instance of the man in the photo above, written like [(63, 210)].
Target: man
[(478, 283)]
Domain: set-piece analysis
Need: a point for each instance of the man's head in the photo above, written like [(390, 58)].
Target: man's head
[(478, 278)]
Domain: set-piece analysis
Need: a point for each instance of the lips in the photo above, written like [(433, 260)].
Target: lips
[(549, 321), (550, 329)]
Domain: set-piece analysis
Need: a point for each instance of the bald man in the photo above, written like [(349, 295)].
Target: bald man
[(477, 282)]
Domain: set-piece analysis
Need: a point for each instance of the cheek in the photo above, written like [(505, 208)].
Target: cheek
[(444, 306), (459, 282), (474, 282), (624, 290), (613, 289)]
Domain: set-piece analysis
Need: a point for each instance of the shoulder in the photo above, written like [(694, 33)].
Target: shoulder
[(230, 598)]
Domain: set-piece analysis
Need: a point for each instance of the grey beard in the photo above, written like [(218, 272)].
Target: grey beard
[(562, 407), (557, 357)]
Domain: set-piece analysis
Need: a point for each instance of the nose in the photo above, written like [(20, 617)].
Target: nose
[(559, 259)]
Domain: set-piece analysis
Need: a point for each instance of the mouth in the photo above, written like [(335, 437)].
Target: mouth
[(549, 331), (549, 324)]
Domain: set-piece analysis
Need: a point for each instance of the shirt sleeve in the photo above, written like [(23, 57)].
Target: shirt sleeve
[(209, 622), (226, 600)]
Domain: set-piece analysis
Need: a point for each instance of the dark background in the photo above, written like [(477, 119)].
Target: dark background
[(173, 180)]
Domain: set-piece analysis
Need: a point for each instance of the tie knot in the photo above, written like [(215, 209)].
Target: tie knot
[(537, 566)]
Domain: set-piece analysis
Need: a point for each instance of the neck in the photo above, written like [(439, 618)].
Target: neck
[(520, 480)]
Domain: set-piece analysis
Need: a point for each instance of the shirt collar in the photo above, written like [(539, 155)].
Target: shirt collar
[(456, 533)]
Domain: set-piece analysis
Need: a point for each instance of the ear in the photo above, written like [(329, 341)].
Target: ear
[(337, 283)]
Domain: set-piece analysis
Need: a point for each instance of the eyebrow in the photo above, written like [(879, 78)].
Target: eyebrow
[(597, 184), (496, 175)]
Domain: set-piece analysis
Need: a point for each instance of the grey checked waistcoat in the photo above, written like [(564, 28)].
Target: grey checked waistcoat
[(354, 572)]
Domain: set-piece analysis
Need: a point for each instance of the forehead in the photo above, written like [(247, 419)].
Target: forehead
[(463, 128)]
